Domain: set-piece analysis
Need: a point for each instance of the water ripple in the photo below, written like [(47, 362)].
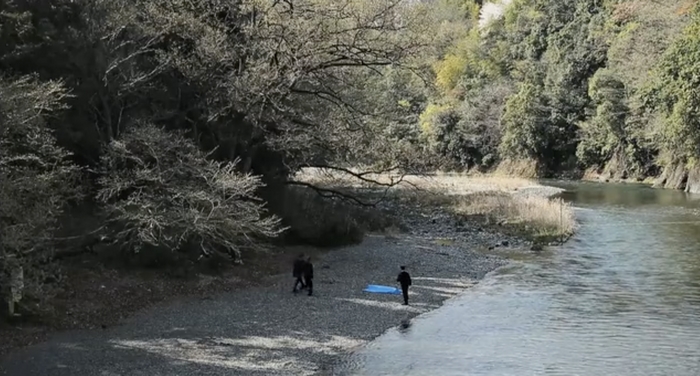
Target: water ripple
[(616, 300)]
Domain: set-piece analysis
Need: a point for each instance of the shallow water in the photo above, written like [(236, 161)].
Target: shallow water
[(620, 298)]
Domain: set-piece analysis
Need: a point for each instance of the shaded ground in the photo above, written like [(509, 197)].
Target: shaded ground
[(268, 330), (94, 296), (248, 322)]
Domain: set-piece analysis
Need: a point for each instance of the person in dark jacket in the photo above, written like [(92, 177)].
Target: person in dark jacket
[(405, 280), (298, 272), (309, 275)]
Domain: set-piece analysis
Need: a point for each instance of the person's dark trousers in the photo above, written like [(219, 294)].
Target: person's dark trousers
[(298, 282), (404, 289), (310, 285)]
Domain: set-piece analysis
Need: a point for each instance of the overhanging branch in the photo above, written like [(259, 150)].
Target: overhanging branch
[(331, 193), (363, 175)]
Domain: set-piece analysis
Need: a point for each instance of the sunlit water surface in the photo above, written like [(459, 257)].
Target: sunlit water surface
[(620, 298)]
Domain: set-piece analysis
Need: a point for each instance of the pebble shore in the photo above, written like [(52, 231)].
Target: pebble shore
[(271, 331)]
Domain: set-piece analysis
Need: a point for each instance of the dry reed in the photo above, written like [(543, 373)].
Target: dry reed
[(448, 183), (488, 196), (538, 216)]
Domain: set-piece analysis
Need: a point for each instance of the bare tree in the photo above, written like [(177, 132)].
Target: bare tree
[(36, 181), (289, 76), (161, 191)]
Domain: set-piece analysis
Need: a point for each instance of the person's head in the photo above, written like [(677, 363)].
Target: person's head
[(301, 256), (403, 267)]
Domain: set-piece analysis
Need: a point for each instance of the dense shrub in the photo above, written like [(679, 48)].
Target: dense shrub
[(315, 220), (37, 180), (161, 192)]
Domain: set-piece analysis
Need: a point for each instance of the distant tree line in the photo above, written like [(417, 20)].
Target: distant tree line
[(571, 86)]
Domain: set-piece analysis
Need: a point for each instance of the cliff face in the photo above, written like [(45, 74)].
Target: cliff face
[(674, 176), (693, 183)]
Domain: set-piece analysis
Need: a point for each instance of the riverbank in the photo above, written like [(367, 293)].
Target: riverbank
[(268, 330), (264, 329), (515, 206)]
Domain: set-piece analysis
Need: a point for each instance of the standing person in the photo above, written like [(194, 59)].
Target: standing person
[(405, 280), (309, 275), (298, 272)]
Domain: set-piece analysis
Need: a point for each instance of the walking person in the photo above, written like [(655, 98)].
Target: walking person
[(298, 272), (405, 280), (309, 275)]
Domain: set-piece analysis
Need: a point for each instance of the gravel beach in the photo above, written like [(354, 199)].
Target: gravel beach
[(271, 331)]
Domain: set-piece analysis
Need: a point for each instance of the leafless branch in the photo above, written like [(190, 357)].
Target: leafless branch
[(331, 193)]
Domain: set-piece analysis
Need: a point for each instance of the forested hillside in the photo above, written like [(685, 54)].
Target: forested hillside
[(549, 87), (179, 125)]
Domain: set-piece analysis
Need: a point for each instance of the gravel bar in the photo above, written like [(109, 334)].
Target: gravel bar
[(271, 331)]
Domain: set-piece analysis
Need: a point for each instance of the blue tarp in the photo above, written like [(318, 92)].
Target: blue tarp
[(378, 289)]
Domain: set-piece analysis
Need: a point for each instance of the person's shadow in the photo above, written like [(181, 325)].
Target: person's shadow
[(405, 326)]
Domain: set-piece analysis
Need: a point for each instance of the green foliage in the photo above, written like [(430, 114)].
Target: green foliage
[(480, 123), (429, 118), (525, 121), (561, 52), (674, 92), (449, 71), (525, 30), (579, 67), (605, 131), (531, 44)]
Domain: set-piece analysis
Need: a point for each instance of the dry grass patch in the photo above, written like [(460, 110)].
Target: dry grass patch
[(521, 204), (525, 168), (535, 216), (458, 183), (444, 182)]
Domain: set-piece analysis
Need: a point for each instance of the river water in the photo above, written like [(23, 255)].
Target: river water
[(622, 297)]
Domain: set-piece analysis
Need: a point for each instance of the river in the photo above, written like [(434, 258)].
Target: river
[(622, 297)]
